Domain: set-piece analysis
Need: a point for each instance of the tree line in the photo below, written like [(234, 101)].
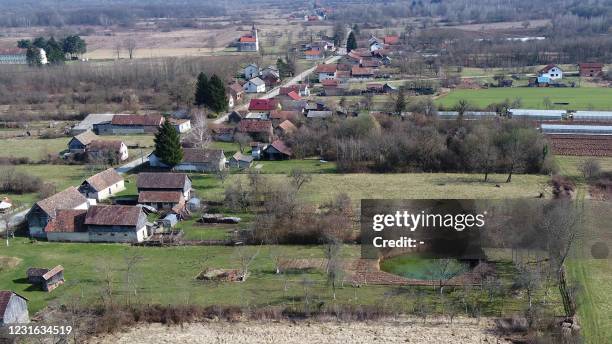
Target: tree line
[(423, 143), (56, 50)]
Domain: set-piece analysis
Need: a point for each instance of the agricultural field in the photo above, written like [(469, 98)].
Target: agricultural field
[(583, 98), (37, 148)]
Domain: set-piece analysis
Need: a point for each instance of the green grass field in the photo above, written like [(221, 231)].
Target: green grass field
[(36, 148), (585, 98)]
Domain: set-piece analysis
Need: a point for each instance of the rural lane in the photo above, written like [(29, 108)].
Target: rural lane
[(274, 92)]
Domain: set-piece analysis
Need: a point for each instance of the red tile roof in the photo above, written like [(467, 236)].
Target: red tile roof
[(13, 51), (294, 95), (263, 104), (595, 65), (153, 120), (254, 126), (68, 221), (547, 68), (297, 88), (287, 126), (361, 71), (329, 83), (326, 68), (236, 88), (160, 197), (113, 215), (248, 39), (312, 53)]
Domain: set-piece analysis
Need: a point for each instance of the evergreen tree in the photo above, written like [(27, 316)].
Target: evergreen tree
[(168, 145), (351, 42), (33, 56), (218, 96), (54, 51), (202, 93)]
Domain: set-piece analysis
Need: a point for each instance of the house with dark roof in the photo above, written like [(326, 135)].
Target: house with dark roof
[(102, 185), (195, 160), (45, 210), (162, 200), (222, 133), (240, 161), (164, 181), (236, 91), (13, 308), (46, 279), (130, 124), (116, 223), (112, 151), (79, 142), (359, 72), (277, 150), (258, 130), (279, 116)]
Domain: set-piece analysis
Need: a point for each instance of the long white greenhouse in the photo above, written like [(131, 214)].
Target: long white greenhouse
[(593, 116), (574, 129), (535, 114), (467, 114)]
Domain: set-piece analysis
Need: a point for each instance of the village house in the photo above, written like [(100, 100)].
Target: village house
[(13, 308), (590, 69), (286, 128), (258, 130), (260, 116), (278, 116), (116, 223), (391, 39), (551, 72), (181, 125), (332, 88), (251, 71), (313, 54), (302, 89), (43, 211), (249, 42), (91, 120), (240, 161), (19, 56), (264, 105), (271, 70), (320, 114), (326, 71), (271, 80), (195, 160), (162, 200), (255, 85), (46, 279), (79, 142), (361, 73), (129, 124), (222, 133), (236, 91), (277, 150), (236, 116), (68, 226), (164, 181), (102, 185), (112, 151)]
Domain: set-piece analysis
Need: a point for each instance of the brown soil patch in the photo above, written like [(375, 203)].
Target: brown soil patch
[(466, 331), (9, 263)]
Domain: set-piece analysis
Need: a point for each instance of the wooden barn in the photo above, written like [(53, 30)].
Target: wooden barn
[(45, 278), (13, 308)]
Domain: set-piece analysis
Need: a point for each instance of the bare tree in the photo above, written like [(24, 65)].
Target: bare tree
[(443, 270), (222, 174), (299, 178), (130, 45), (118, 47), (245, 257), (590, 168), (334, 269), (132, 261), (243, 141), (199, 136)]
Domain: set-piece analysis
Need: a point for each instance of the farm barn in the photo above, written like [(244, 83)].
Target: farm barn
[(45, 278)]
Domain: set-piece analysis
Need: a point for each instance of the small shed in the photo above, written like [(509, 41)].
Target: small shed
[(169, 221), (241, 161), (45, 278), (13, 308), (194, 204)]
